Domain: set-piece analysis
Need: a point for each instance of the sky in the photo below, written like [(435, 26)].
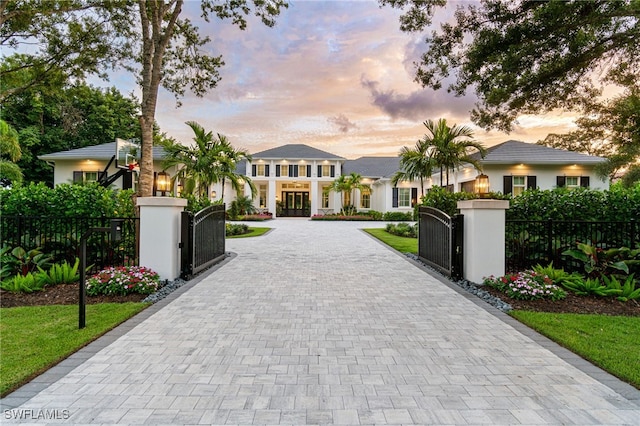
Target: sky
[(336, 75)]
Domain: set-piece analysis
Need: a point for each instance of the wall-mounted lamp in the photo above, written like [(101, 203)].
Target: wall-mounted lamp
[(481, 185), (213, 195), (163, 182)]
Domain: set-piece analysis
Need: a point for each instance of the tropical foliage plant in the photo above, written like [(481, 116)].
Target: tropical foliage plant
[(210, 160), (347, 186), (598, 262), (23, 283), (61, 273), (403, 229)]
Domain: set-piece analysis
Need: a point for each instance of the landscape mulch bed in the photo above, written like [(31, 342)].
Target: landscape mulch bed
[(573, 304), (62, 294), (67, 294)]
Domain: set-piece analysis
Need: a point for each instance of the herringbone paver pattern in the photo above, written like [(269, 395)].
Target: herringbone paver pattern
[(317, 323)]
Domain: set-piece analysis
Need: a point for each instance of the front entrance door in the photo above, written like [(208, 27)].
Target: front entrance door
[(295, 204)]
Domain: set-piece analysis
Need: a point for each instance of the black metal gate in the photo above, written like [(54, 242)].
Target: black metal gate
[(440, 241), (202, 239)]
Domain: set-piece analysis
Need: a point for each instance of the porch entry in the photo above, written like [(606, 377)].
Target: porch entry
[(295, 204)]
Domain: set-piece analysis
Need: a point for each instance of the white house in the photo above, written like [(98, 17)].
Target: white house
[(291, 179), (514, 166)]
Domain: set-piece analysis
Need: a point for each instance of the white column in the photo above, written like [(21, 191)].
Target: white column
[(160, 234), (484, 238), (313, 195), (271, 197)]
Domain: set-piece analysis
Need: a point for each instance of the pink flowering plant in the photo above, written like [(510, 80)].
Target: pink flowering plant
[(123, 280), (527, 285)]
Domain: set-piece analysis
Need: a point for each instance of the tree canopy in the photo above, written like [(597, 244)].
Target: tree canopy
[(527, 57), (152, 39)]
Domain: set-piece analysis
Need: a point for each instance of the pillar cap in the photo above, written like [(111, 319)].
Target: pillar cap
[(161, 201), (484, 204)]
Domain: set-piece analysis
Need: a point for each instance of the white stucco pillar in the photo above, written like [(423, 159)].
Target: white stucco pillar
[(160, 234), (271, 197), (484, 238), (313, 195)]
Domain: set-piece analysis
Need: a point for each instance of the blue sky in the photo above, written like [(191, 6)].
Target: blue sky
[(336, 75)]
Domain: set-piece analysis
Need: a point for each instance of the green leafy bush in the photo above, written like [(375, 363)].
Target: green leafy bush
[(62, 273), (241, 206), (616, 204), (67, 201), (236, 228), (397, 216), (23, 283), (373, 214), (402, 229), (123, 280), (527, 285)]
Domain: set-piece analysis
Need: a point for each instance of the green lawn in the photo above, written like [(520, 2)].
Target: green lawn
[(34, 338), (253, 232), (610, 342), (402, 244)]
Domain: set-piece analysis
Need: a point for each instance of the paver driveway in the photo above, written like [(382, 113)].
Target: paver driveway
[(317, 323)]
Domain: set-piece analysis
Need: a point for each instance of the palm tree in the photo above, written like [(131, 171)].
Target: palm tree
[(415, 163), (347, 184), (210, 160), (447, 150)]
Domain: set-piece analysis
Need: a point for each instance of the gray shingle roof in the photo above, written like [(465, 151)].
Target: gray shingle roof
[(516, 152), (295, 151), (96, 152), (374, 167)]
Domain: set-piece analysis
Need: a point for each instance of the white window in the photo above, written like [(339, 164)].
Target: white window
[(519, 185), (284, 170), (302, 170), (85, 177), (326, 170), (260, 170), (572, 182), (404, 197)]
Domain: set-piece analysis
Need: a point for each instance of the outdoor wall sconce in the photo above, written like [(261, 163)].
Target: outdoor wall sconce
[(481, 185), (163, 182), (213, 194)]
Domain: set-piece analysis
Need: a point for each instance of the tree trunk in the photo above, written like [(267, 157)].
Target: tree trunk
[(154, 45)]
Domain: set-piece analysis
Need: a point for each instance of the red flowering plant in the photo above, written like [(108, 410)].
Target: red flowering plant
[(123, 280), (527, 285)]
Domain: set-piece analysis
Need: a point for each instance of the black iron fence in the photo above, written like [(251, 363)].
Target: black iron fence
[(59, 237), (531, 242), (203, 239), (440, 239)]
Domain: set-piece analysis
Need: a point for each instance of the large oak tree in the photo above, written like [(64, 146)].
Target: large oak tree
[(527, 57), (164, 48)]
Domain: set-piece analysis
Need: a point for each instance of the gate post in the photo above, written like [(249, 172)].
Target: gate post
[(484, 238), (160, 234)]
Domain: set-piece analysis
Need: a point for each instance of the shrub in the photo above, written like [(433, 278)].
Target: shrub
[(123, 280), (330, 217), (373, 214), (397, 216), (67, 200), (256, 217), (236, 228), (527, 285), (403, 229), (241, 206)]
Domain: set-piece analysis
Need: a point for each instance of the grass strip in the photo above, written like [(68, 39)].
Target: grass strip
[(402, 244), (35, 338), (610, 342), (253, 232)]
